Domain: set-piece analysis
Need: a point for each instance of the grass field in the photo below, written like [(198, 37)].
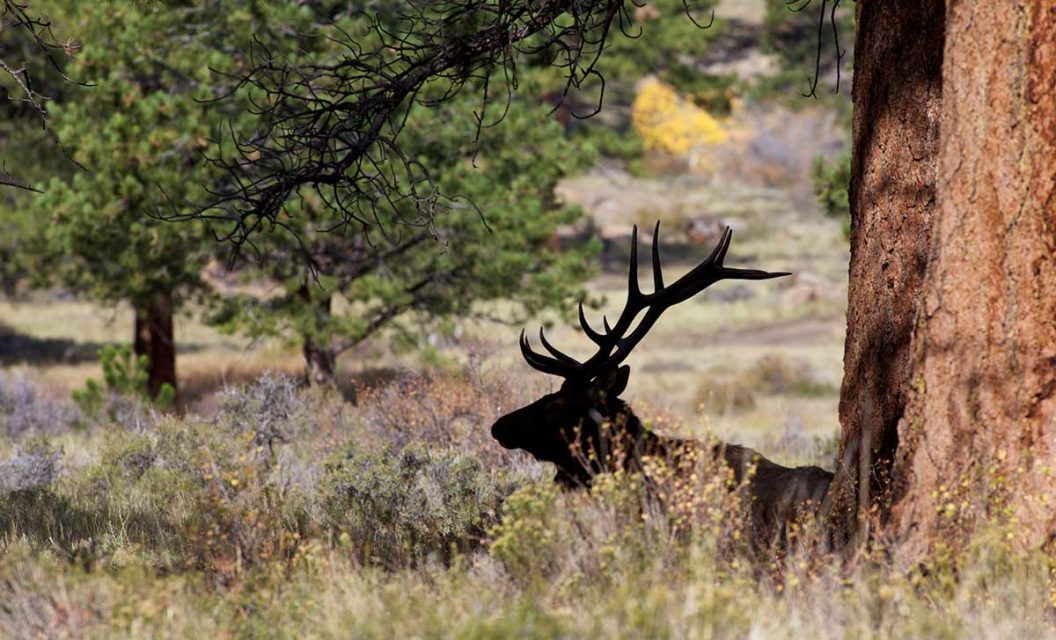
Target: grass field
[(287, 513)]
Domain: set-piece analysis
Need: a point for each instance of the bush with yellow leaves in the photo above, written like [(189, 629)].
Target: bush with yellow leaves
[(668, 122)]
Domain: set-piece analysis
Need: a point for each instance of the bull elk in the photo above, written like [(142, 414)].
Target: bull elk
[(584, 426)]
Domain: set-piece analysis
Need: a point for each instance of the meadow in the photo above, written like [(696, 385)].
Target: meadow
[(292, 513), (273, 510)]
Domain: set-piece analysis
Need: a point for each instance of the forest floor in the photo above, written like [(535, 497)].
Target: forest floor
[(272, 511)]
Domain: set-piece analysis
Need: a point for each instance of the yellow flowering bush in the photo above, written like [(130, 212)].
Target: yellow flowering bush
[(668, 122)]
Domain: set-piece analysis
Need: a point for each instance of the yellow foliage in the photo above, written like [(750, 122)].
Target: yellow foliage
[(669, 122)]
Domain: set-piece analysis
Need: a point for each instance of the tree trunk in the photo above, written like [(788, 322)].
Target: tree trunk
[(320, 360), (978, 438), (948, 406), (897, 98), (156, 341), (319, 364)]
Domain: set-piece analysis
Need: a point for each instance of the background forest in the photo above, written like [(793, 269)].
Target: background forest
[(291, 439)]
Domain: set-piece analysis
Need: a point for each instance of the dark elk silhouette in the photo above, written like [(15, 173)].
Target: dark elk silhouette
[(585, 429)]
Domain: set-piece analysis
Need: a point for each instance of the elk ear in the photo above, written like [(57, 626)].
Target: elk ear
[(612, 382)]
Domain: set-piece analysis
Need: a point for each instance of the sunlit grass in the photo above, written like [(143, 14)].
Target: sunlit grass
[(400, 518)]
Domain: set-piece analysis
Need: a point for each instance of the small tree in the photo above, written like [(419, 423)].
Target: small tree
[(414, 276), (139, 133)]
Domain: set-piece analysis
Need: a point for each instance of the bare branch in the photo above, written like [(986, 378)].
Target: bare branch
[(330, 124)]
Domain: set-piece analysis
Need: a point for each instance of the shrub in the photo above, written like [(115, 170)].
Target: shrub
[(774, 374), (770, 375), (831, 180), (668, 122), (126, 457), (526, 538), (624, 524), (271, 409), (445, 411), (31, 468), (405, 507), (240, 518), (24, 410), (124, 387)]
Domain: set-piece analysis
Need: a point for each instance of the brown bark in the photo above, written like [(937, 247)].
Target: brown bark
[(898, 96), (979, 432), (320, 359), (319, 364), (155, 340)]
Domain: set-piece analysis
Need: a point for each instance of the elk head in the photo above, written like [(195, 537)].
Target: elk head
[(577, 426)]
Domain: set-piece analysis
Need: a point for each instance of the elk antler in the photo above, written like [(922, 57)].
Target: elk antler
[(615, 343)]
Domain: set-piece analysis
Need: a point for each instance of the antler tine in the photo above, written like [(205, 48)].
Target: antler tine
[(727, 273), (710, 271), (543, 363), (719, 253), (596, 337), (658, 273), (555, 352), (634, 292)]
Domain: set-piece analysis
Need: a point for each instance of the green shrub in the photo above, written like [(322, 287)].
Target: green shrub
[(124, 375), (527, 537), (404, 507), (832, 179)]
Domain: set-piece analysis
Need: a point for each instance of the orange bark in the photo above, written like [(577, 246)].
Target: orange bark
[(979, 433)]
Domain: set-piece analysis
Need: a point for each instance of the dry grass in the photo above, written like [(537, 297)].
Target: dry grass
[(290, 514)]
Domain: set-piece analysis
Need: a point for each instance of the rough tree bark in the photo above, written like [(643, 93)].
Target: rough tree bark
[(319, 363), (897, 98), (948, 406), (320, 359), (979, 432), (154, 338)]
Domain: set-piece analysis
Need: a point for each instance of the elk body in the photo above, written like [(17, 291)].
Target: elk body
[(585, 429)]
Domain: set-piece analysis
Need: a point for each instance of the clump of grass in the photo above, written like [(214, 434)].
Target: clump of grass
[(717, 395), (770, 375)]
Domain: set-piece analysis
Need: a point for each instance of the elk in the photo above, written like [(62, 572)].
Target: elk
[(584, 428)]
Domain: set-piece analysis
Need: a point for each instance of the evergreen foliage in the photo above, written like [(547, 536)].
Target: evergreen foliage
[(831, 181), (497, 244), (139, 133)]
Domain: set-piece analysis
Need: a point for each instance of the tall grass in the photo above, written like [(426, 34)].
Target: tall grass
[(291, 513)]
